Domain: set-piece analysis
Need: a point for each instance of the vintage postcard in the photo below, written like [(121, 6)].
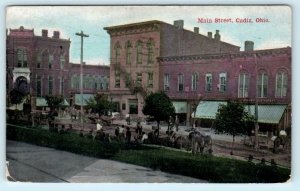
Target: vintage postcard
[(148, 94)]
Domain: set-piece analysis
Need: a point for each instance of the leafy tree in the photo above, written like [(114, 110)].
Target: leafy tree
[(16, 97), (99, 104), (158, 106), (54, 101), (233, 119)]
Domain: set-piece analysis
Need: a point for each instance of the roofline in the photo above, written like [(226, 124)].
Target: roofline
[(88, 65), (134, 24), (223, 55)]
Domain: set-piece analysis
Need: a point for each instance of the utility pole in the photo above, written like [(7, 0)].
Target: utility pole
[(81, 34), (256, 108)]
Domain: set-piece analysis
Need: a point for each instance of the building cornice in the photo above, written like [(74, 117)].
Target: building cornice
[(135, 28), (231, 55)]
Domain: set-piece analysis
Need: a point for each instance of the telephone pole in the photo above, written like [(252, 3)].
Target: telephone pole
[(81, 34)]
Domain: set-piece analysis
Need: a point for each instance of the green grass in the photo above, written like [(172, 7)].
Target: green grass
[(211, 168)]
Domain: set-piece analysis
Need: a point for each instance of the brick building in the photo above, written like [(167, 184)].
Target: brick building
[(248, 76), (95, 79), (198, 72), (40, 65), (134, 49)]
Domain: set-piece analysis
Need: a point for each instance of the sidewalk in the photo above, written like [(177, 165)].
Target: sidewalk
[(31, 163)]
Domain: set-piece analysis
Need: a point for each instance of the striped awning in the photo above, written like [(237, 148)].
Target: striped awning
[(42, 102), (83, 101), (208, 109), (180, 106), (270, 114)]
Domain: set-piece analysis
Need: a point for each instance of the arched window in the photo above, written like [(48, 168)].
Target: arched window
[(243, 85), (139, 52), (128, 52), (262, 84), (281, 83), (194, 81), (62, 61), (117, 53), (150, 46), (22, 57), (39, 60)]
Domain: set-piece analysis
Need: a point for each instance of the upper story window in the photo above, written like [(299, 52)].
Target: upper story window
[(75, 82), (39, 60), (166, 82), (117, 53), (139, 53), (281, 84), (128, 52), (262, 84), (208, 82), (50, 85), (127, 80), (222, 82), (150, 80), (22, 57), (117, 78), (62, 61), (194, 81), (50, 62), (139, 79), (150, 46), (38, 86), (243, 85), (180, 82)]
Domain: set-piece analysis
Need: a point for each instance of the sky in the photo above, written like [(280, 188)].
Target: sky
[(92, 19)]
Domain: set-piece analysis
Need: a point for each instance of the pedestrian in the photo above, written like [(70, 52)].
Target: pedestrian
[(139, 128), (117, 132), (128, 135), (98, 126), (121, 131), (177, 123), (144, 137)]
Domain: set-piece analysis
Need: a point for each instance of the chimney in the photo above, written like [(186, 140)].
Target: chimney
[(209, 34), (56, 34), (196, 30), (249, 45), (179, 24), (44, 33), (217, 35)]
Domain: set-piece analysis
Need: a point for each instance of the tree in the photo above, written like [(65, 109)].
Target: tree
[(54, 101), (16, 97), (99, 104), (233, 119), (159, 106)]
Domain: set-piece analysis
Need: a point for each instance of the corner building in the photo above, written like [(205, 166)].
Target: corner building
[(134, 49)]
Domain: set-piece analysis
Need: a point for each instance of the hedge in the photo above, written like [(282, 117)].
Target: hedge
[(206, 167)]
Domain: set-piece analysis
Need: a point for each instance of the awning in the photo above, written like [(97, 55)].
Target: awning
[(41, 102), (17, 106), (85, 98), (268, 113), (208, 109), (180, 106)]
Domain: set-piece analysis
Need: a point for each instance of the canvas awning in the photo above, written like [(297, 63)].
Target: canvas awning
[(17, 106), (270, 114), (83, 101), (208, 109), (180, 106), (42, 102)]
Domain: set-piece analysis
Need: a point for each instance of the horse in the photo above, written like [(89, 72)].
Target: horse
[(199, 142)]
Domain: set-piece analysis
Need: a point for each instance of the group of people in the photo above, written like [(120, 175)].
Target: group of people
[(123, 133)]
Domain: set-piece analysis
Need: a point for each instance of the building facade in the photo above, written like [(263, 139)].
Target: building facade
[(40, 66), (134, 49), (251, 76)]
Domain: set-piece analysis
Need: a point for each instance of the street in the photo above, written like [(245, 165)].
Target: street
[(30, 163)]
